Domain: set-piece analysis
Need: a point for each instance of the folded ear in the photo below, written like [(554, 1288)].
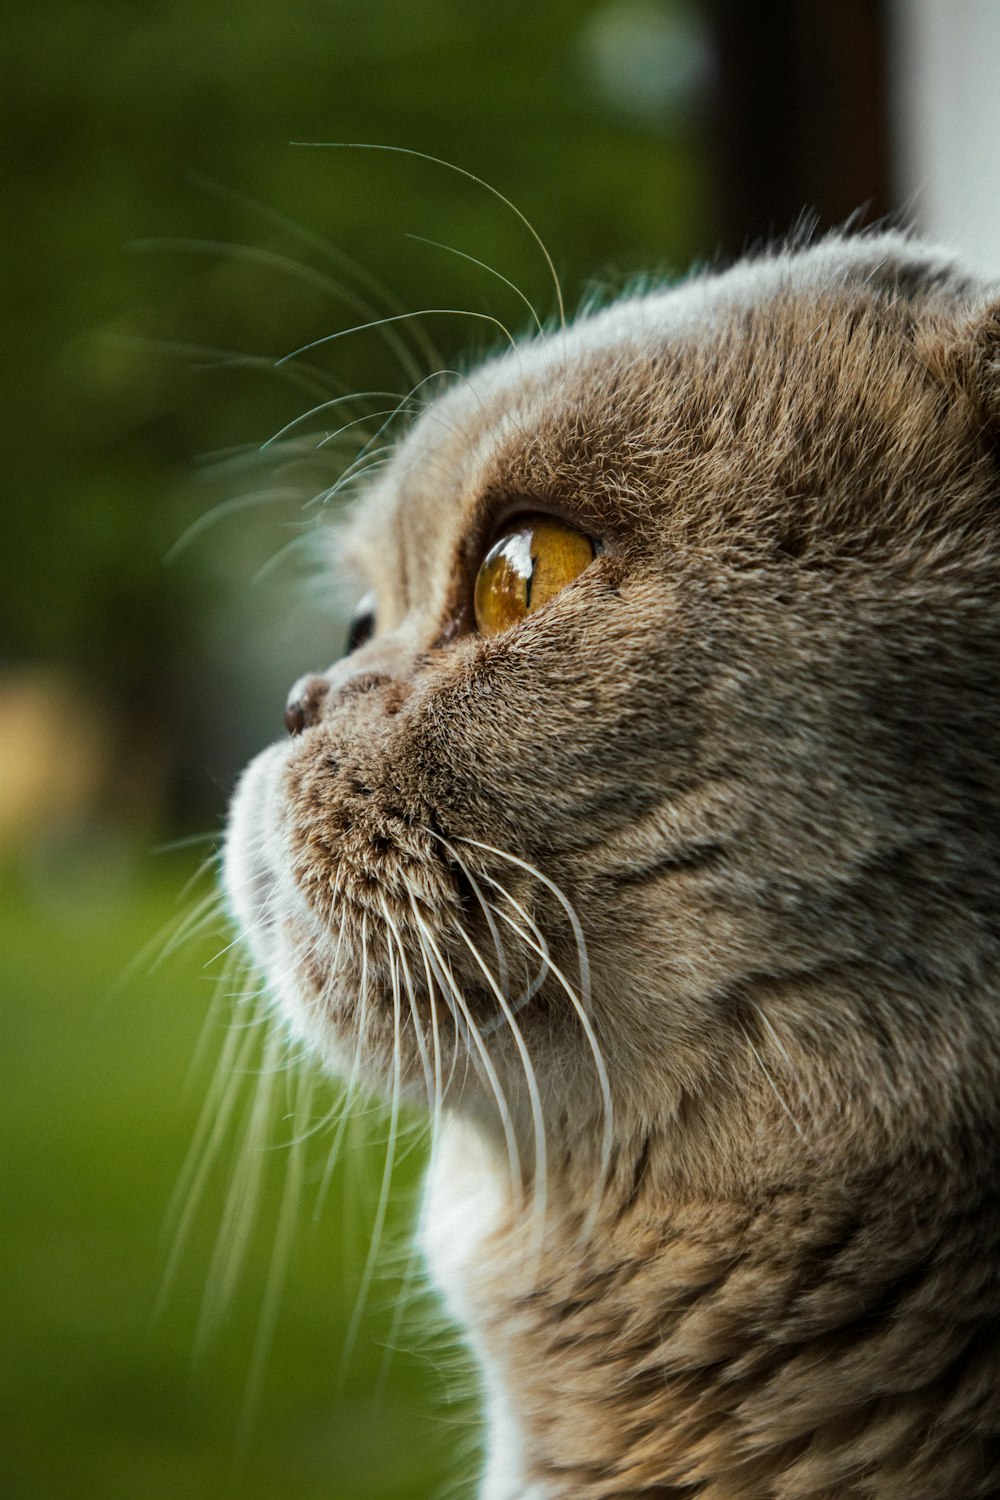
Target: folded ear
[(984, 362), (957, 322), (964, 354)]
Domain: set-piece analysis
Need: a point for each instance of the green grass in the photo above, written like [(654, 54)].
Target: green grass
[(108, 1396)]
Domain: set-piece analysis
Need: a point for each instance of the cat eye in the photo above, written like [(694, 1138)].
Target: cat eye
[(362, 626), (532, 560)]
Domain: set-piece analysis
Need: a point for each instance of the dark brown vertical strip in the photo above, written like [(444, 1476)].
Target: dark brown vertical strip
[(800, 115)]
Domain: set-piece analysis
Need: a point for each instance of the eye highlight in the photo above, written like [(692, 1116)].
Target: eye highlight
[(530, 562)]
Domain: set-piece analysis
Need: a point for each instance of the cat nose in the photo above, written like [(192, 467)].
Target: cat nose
[(305, 701)]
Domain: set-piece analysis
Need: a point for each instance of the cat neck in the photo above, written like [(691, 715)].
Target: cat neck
[(828, 1339)]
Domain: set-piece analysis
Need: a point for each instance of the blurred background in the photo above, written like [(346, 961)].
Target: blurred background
[(165, 246)]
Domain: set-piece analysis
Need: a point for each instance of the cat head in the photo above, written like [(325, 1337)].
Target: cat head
[(663, 789)]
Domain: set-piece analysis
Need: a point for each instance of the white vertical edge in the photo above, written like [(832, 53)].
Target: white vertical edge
[(944, 78)]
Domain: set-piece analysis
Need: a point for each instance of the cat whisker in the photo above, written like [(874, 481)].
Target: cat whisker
[(277, 1274), (235, 965), (219, 512), (580, 1002), (262, 911), (420, 312), (330, 438), (391, 414), (462, 172), (535, 940), (190, 841), (351, 1085), (378, 1227), (271, 260), (487, 911), (212, 1127), (404, 1295), (759, 1013), (462, 255), (536, 874), (499, 991), (303, 1063), (208, 865), (312, 379), (178, 929), (352, 474), (305, 236), (259, 911), (197, 920), (395, 941), (293, 450), (243, 1197), (440, 1087), (440, 965), (281, 436), (303, 543), (303, 376), (540, 1175)]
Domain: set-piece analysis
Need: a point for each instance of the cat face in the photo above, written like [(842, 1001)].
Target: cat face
[(671, 846)]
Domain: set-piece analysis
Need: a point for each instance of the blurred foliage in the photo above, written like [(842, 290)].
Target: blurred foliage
[(119, 1381), (167, 245), (135, 133)]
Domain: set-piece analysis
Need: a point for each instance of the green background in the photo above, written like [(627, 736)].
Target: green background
[(164, 245)]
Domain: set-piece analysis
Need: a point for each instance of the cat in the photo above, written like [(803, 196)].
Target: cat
[(650, 830)]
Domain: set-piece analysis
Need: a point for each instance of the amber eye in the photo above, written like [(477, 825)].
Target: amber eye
[(527, 565)]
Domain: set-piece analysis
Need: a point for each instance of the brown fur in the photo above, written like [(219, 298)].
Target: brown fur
[(756, 744)]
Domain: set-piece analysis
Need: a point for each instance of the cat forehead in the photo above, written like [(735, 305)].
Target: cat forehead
[(642, 381)]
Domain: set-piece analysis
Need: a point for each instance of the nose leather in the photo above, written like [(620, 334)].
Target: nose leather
[(305, 703)]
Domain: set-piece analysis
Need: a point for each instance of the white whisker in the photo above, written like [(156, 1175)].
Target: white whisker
[(243, 1197), (451, 250), (540, 1180), (331, 252), (451, 167), (418, 1031), (277, 1270), (367, 1275), (350, 1087), (441, 968), (540, 1183), (256, 255), (420, 312), (314, 411), (210, 1132), (439, 1086), (581, 1001), (773, 1086)]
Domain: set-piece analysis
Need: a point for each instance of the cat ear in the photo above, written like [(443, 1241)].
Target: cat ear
[(983, 363), (965, 356), (900, 265), (911, 269)]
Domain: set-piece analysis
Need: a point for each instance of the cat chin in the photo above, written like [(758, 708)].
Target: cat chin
[(310, 960), (351, 919), (357, 1002)]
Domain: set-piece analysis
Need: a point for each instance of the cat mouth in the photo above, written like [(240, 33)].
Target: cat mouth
[(390, 945)]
